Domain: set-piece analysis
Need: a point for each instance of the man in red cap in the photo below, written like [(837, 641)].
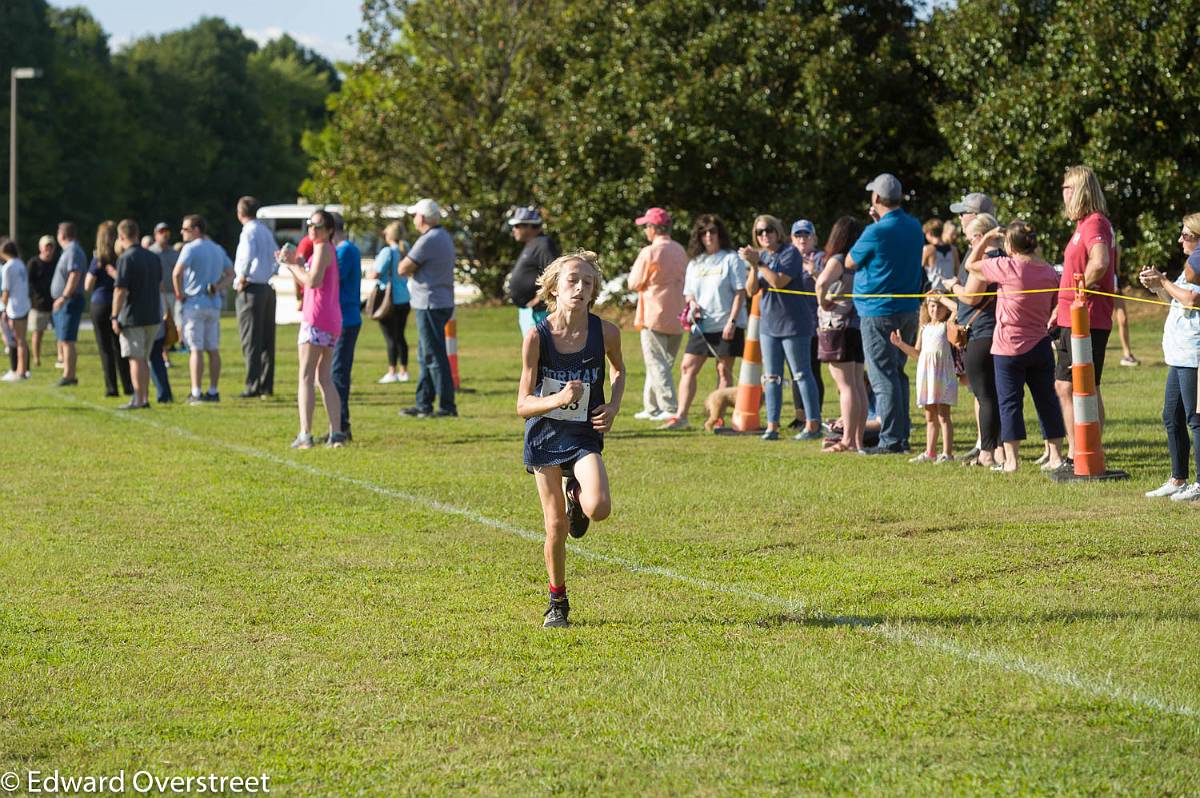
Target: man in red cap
[(657, 276)]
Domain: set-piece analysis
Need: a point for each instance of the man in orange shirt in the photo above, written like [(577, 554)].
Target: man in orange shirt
[(657, 276)]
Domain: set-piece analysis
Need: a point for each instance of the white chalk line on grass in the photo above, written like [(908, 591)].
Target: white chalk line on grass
[(888, 630)]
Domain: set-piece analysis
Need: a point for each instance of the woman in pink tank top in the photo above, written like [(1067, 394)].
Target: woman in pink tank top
[(321, 323)]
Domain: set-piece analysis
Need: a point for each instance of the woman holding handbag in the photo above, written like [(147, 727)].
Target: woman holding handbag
[(839, 342), (390, 304)]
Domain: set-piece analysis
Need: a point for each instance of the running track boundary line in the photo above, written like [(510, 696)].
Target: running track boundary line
[(1105, 688)]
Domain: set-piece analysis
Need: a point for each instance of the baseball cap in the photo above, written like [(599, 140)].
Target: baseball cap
[(161, 226), (803, 226), (886, 186), (655, 216), (525, 215), (425, 207), (44, 240), (974, 203)]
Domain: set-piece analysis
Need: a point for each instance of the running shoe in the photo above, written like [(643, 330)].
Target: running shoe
[(303, 441), (67, 381), (576, 517), (809, 435), (11, 376), (402, 377), (675, 422), (416, 412), (1130, 361), (923, 457), (944, 458), (649, 415), (388, 379), (771, 435), (1168, 488), (336, 440), (556, 614), (211, 396), (1188, 494)]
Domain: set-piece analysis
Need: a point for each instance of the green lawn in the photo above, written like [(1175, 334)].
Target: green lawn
[(184, 594)]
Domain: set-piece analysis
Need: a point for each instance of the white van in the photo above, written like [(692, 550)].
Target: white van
[(289, 223)]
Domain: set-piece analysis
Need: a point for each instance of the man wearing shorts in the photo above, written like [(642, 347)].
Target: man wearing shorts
[(66, 289), (202, 274), (136, 309)]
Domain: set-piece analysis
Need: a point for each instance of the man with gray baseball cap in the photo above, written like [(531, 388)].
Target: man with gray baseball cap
[(886, 259), (539, 251), (970, 206)]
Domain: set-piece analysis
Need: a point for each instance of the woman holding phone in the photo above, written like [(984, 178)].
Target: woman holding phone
[(1181, 351), (320, 326)]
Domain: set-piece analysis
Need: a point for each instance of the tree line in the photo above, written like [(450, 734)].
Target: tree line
[(594, 111), (181, 123)]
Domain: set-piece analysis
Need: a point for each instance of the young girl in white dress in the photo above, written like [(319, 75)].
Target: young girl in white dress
[(937, 382)]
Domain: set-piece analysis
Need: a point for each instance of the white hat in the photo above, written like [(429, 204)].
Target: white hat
[(427, 208)]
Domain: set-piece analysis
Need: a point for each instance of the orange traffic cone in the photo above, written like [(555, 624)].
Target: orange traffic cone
[(749, 388), (1089, 449), (452, 349)]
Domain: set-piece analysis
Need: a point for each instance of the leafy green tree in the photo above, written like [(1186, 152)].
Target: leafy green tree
[(595, 111), (436, 109), (1030, 87), (72, 120)]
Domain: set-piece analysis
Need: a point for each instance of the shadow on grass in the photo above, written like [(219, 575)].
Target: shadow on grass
[(1055, 616)]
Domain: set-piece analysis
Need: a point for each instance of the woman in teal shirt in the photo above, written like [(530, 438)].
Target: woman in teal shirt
[(393, 323)]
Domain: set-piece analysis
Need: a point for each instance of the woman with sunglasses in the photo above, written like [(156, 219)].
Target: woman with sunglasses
[(787, 322), (1181, 351), (320, 326)]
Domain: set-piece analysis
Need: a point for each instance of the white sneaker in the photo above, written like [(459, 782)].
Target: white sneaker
[(944, 458), (402, 377), (389, 378), (1188, 494), (1168, 488), (923, 457), (11, 376), (648, 415)]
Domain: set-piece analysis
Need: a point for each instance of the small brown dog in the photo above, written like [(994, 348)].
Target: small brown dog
[(716, 404)]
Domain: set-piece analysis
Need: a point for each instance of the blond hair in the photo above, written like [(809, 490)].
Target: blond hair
[(548, 281), (982, 223), (1087, 197), (1192, 223), (925, 317), (773, 222), (394, 232)]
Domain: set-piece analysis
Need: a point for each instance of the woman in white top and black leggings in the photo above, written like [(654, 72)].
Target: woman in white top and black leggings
[(1181, 350)]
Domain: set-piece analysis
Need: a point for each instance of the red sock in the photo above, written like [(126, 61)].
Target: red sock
[(558, 592)]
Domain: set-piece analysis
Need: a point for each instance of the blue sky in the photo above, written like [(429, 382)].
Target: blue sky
[(326, 26)]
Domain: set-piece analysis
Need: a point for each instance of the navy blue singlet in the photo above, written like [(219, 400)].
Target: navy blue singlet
[(564, 435)]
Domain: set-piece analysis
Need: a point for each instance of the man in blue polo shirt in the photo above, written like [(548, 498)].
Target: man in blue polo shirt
[(886, 259)]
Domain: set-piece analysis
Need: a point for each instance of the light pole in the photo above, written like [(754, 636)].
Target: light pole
[(18, 73)]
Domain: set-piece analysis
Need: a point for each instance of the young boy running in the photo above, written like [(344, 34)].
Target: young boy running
[(561, 399)]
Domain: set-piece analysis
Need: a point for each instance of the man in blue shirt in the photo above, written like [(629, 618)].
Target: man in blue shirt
[(202, 274), (253, 267), (429, 265), (886, 259), (349, 262)]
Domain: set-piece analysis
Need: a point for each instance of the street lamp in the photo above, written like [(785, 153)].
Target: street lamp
[(18, 73)]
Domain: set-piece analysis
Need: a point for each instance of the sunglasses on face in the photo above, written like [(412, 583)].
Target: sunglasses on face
[(763, 231), (316, 225), (712, 231)]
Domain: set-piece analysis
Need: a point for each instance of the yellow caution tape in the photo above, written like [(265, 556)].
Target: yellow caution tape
[(976, 293)]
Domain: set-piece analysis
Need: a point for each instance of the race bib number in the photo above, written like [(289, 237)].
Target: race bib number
[(577, 410)]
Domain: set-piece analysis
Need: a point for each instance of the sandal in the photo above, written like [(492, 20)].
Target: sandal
[(836, 447)]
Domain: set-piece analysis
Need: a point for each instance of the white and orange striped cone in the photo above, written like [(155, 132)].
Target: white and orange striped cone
[(452, 349), (749, 389), (1089, 449)]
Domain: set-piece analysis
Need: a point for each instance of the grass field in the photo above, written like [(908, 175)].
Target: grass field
[(184, 594)]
